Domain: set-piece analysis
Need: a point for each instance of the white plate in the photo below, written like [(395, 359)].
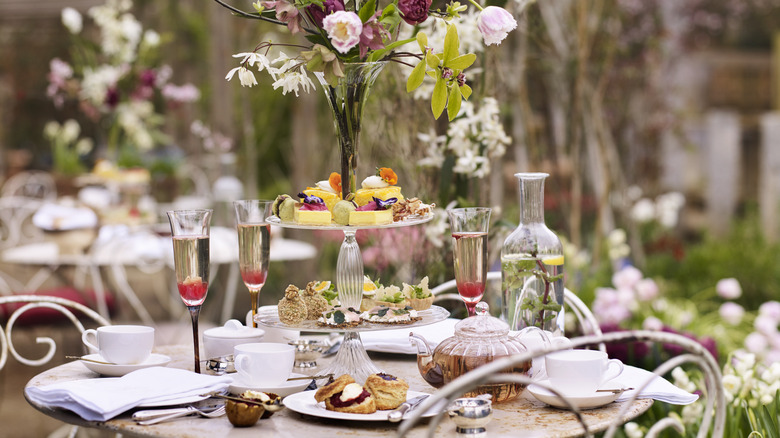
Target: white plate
[(596, 400), (283, 390), (111, 370), (304, 403), (269, 316), (412, 220)]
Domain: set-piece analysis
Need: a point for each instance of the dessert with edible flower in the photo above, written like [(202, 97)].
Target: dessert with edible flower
[(345, 395), (419, 296), (376, 212), (339, 317), (387, 390), (313, 211), (390, 315), (329, 191), (382, 185)]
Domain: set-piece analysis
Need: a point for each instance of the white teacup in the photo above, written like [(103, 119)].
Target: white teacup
[(121, 344), (580, 372), (263, 363)]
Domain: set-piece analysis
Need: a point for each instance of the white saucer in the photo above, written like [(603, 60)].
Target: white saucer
[(282, 390), (111, 370), (595, 400)]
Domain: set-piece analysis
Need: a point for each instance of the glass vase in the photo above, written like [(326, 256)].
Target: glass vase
[(532, 265), (346, 101)]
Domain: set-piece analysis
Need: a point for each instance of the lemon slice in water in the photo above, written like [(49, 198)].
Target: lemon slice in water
[(553, 260)]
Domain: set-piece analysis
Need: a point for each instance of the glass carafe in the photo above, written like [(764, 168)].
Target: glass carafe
[(532, 265)]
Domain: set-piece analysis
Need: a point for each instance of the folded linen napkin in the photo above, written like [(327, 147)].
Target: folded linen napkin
[(659, 388), (55, 217), (100, 399), (397, 340)]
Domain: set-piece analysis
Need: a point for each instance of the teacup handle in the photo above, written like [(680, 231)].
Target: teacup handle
[(240, 365), (85, 340), (614, 369)]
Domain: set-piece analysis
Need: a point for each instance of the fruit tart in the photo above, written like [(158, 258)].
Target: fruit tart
[(419, 296)]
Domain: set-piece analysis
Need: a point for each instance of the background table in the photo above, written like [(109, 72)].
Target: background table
[(524, 416)]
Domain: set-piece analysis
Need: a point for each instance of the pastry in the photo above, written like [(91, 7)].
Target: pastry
[(328, 291), (405, 208), (313, 211), (419, 296), (315, 303), (376, 212), (292, 309), (344, 395), (382, 186), (337, 317), (342, 211), (284, 208), (324, 191), (388, 391), (390, 315), (388, 296)]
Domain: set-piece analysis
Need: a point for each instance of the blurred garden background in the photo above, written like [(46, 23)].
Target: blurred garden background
[(657, 121)]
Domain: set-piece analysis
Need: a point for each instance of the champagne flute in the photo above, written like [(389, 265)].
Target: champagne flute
[(469, 228), (254, 239), (190, 232)]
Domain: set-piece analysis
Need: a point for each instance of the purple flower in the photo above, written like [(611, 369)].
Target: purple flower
[(494, 23), (286, 13), (372, 35), (729, 288), (317, 13), (414, 11), (344, 29)]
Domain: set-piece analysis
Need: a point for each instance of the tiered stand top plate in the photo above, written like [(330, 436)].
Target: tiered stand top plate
[(269, 316), (409, 221)]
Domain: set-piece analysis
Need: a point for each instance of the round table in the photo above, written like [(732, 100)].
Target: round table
[(524, 416)]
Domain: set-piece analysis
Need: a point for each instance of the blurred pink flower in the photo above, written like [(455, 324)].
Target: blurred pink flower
[(756, 343), (646, 289), (732, 313), (765, 325), (729, 288), (770, 309), (608, 308), (652, 323), (626, 278)]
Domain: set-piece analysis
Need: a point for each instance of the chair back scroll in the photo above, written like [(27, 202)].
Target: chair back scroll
[(714, 413), (67, 307)]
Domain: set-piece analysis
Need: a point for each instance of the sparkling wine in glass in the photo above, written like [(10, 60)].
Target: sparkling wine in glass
[(469, 228), (254, 241), (190, 230)]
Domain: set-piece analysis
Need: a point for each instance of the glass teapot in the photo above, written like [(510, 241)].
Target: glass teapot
[(478, 340)]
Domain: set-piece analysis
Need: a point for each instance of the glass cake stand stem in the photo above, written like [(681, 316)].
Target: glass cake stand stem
[(349, 271), (351, 359)]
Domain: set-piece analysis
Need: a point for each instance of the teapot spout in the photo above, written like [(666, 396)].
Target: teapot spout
[(423, 349)]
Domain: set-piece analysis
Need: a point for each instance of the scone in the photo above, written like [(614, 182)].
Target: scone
[(344, 395), (388, 391)]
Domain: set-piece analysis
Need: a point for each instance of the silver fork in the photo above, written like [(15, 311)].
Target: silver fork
[(210, 412)]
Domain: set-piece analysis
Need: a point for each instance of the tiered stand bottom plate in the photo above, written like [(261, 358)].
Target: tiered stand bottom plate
[(351, 358)]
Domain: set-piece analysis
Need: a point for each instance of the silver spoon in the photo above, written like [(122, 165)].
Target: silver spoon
[(211, 412)]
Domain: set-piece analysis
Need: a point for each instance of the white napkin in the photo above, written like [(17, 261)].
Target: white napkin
[(100, 399), (397, 340), (59, 217), (659, 389)]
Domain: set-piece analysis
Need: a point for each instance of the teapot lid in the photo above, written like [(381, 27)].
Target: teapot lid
[(482, 325), (233, 329)]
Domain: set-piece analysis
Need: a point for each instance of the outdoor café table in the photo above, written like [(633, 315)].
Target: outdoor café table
[(524, 416)]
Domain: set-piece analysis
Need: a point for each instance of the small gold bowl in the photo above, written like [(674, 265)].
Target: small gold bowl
[(243, 414)]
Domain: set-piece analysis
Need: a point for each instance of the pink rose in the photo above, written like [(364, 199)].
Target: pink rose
[(344, 29), (729, 288), (495, 23), (414, 11)]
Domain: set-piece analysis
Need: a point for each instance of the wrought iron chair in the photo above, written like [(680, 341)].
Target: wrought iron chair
[(714, 413)]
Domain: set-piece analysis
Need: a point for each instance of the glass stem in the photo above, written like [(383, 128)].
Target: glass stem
[(254, 296), (194, 312)]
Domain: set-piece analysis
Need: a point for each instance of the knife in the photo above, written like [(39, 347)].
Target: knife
[(397, 415)]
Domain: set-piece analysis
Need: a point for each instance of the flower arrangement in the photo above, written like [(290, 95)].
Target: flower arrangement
[(342, 32), (116, 82)]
